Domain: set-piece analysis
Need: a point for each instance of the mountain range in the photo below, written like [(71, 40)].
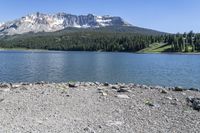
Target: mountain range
[(40, 22)]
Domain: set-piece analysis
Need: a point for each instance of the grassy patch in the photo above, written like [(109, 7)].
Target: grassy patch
[(156, 48)]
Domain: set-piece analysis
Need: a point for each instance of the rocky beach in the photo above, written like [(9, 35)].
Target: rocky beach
[(93, 107)]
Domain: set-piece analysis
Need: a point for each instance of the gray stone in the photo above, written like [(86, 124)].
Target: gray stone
[(89, 130), (73, 85), (145, 87), (5, 85), (158, 87), (106, 84), (178, 88), (194, 102), (194, 89), (40, 83), (169, 98), (123, 86), (1, 100), (24, 83), (149, 103), (97, 83), (116, 87), (122, 90), (103, 93), (164, 91), (16, 85), (123, 96)]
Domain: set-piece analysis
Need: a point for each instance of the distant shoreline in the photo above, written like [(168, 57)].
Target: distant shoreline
[(172, 53)]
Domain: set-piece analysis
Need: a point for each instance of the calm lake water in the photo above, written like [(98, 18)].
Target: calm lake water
[(150, 69)]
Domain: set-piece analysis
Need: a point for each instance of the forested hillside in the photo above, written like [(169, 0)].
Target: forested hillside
[(105, 39)]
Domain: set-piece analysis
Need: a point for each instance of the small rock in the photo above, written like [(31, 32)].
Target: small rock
[(5, 85), (99, 126), (89, 130), (24, 83), (131, 85), (1, 100), (86, 129), (157, 105), (145, 87), (183, 93), (86, 84), (158, 87), (16, 85), (103, 93), (73, 85), (194, 102), (106, 84), (147, 102), (169, 98), (114, 123), (97, 83), (123, 96), (123, 86), (122, 90), (178, 88), (194, 89), (40, 83), (23, 88), (116, 87), (173, 103), (163, 91), (99, 88)]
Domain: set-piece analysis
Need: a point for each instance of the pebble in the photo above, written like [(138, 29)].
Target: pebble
[(163, 91), (194, 89), (194, 102), (5, 85), (73, 85), (96, 83), (123, 96), (114, 123), (103, 93), (145, 87), (106, 84), (115, 87), (149, 103), (89, 130), (169, 98), (1, 100), (122, 90), (16, 85), (178, 88)]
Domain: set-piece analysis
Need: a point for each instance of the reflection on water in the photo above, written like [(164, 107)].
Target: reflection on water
[(151, 69)]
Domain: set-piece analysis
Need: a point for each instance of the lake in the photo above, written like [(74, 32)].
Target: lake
[(54, 66)]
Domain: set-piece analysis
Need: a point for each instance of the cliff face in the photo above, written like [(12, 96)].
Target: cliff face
[(39, 22)]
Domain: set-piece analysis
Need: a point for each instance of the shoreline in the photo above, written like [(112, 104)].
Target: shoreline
[(169, 53), (94, 107), (142, 86)]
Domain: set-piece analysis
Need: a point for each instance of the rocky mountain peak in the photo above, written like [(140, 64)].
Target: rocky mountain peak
[(40, 22)]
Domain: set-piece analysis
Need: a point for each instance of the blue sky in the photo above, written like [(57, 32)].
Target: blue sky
[(164, 15)]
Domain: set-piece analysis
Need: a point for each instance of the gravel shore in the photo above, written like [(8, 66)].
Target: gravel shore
[(87, 107)]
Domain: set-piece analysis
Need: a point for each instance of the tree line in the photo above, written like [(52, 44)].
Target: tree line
[(81, 41), (187, 42), (102, 41)]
